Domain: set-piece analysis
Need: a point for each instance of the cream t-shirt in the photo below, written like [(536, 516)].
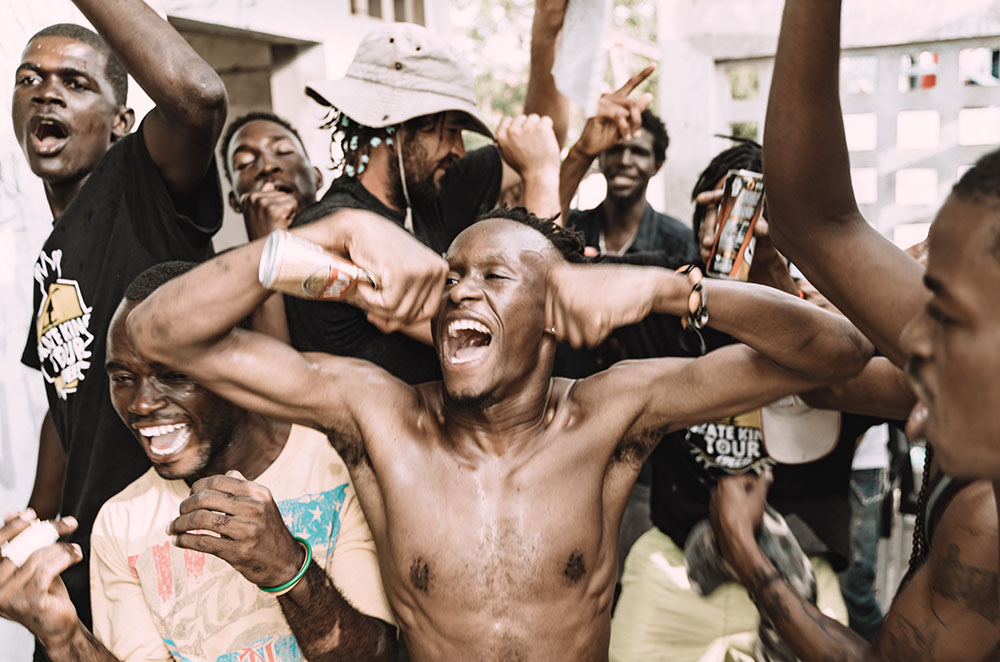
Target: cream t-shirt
[(154, 601)]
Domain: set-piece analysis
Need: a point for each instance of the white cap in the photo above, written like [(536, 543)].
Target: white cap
[(794, 433)]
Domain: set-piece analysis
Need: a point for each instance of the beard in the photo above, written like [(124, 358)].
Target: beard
[(467, 403), (220, 441), (419, 172), (205, 453)]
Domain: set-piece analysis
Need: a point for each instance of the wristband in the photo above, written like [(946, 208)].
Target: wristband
[(697, 316), (698, 300), (290, 584)]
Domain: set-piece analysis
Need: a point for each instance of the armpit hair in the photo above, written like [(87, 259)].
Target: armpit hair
[(635, 448), (351, 448)]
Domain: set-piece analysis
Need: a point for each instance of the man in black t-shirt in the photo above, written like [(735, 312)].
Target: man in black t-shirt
[(397, 116), (624, 222), (121, 202)]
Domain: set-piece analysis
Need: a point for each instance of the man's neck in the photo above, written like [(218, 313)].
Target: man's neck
[(620, 220), (377, 177), (501, 426), (254, 444), (60, 194)]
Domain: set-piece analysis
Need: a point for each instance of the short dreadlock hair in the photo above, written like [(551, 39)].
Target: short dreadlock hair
[(354, 140), (242, 121), (568, 242), (745, 154)]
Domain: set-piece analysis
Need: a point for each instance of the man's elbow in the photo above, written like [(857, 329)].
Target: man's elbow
[(857, 350), (205, 102)]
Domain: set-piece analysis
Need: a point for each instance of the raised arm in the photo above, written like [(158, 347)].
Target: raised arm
[(542, 97), (879, 390), (189, 323), (813, 217), (789, 345), (190, 97), (528, 145), (946, 613), (617, 117)]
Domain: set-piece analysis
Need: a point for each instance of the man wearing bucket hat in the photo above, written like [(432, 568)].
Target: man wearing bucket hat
[(397, 118)]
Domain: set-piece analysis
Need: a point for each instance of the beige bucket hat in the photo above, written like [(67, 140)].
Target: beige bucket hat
[(399, 72)]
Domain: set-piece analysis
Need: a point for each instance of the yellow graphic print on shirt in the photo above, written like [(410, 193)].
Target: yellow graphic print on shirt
[(63, 329)]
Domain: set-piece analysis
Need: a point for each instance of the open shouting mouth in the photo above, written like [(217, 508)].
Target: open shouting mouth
[(466, 341), (48, 134)]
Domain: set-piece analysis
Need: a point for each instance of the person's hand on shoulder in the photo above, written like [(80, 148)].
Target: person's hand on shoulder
[(33, 594)]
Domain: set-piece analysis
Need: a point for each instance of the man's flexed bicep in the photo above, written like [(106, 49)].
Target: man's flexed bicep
[(789, 345), (726, 382), (190, 323)]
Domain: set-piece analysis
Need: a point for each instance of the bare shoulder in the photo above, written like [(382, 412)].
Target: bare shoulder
[(626, 383), (359, 404), (949, 610), (617, 402)]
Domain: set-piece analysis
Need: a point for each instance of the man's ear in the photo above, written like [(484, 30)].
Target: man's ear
[(318, 176), (122, 124), (658, 166), (234, 203)]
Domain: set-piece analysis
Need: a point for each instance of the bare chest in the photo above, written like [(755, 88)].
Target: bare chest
[(498, 538)]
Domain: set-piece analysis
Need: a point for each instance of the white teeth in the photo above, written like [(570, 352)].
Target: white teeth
[(463, 325), (159, 430), (179, 442)]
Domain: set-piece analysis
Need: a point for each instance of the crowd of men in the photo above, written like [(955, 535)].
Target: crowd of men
[(537, 433)]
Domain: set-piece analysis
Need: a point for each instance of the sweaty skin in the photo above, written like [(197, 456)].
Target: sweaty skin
[(495, 496)]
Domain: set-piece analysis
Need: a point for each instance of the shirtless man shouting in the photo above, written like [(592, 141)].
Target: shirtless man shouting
[(495, 496)]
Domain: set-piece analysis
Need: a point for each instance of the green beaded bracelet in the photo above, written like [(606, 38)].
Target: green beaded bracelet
[(290, 584)]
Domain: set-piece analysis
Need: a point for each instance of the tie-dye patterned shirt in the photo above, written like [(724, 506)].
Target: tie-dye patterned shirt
[(155, 601)]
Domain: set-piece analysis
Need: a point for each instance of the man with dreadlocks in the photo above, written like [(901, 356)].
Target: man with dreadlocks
[(947, 609), (494, 496), (397, 119)]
